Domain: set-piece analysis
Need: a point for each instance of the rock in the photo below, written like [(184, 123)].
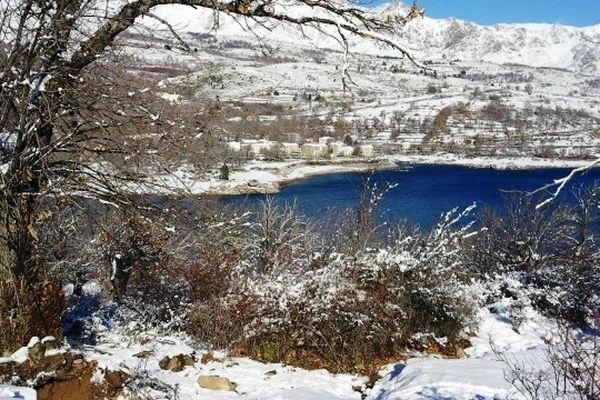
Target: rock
[(271, 373), (209, 357), (50, 343), (215, 382), (176, 363), (36, 349), (61, 375), (116, 379), (253, 183), (112, 386), (64, 376), (164, 362), (74, 389), (188, 360), (7, 369)]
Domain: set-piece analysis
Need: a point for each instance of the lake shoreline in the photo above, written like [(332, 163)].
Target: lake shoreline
[(269, 177), (302, 170)]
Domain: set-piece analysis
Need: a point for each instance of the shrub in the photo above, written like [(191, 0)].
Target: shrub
[(224, 172), (570, 369), (29, 309), (346, 313), (551, 250), (440, 122)]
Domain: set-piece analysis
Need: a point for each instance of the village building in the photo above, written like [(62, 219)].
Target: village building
[(290, 149), (314, 150), (366, 150)]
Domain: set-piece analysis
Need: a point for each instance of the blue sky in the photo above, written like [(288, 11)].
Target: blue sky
[(570, 12)]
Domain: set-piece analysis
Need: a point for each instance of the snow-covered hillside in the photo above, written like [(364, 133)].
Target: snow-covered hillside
[(538, 45)]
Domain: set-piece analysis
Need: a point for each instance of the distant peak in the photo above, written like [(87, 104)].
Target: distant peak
[(391, 7)]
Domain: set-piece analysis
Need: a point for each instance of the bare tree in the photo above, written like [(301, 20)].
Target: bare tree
[(570, 369), (281, 233), (52, 139)]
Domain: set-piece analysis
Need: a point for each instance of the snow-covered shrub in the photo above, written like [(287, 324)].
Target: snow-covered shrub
[(281, 236), (522, 238), (552, 250), (356, 229), (569, 370), (347, 312)]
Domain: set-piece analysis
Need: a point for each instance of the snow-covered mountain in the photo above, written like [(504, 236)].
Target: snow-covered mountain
[(538, 45)]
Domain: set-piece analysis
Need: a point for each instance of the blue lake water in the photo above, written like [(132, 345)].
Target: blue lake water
[(424, 192)]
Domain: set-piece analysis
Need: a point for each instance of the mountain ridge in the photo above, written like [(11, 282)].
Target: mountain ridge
[(440, 40)]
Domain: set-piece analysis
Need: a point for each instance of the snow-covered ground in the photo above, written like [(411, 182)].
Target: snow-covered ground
[(8, 392), (479, 375)]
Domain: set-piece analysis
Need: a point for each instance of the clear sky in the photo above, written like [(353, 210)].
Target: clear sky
[(569, 12)]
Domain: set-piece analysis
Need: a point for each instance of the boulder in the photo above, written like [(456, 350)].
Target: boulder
[(188, 360), (50, 343), (215, 382), (62, 375), (36, 349), (176, 363)]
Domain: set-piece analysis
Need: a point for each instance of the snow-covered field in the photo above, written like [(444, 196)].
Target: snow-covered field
[(9, 392), (479, 375)]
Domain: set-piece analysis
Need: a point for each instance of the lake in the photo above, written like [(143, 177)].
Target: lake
[(422, 194)]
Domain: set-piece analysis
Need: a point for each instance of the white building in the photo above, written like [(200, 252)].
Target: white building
[(257, 147), (326, 140), (291, 149), (314, 150), (340, 149), (366, 150), (235, 146)]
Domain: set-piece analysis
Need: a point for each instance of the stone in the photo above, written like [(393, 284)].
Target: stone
[(74, 389), (7, 369), (66, 377), (116, 379), (216, 382), (176, 363), (271, 373), (164, 362), (50, 343), (36, 350), (209, 357), (188, 360)]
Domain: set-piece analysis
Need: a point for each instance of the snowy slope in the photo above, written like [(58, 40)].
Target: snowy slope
[(478, 376), (8, 392), (539, 45)]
